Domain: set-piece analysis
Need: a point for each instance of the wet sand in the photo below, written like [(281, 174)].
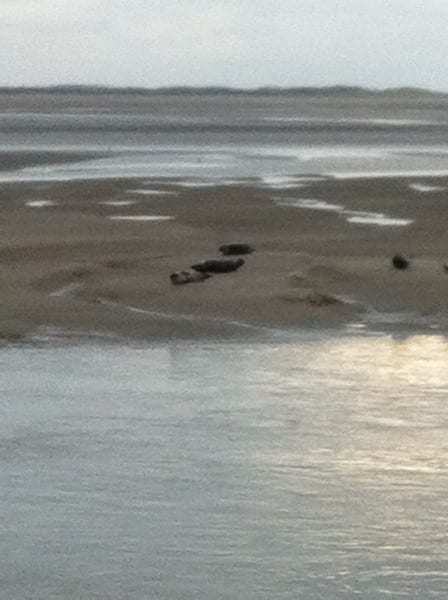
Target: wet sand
[(64, 263), (11, 161)]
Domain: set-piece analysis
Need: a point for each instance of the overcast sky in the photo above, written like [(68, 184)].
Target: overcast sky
[(377, 43)]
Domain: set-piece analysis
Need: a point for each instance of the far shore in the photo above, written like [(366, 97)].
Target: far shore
[(64, 263)]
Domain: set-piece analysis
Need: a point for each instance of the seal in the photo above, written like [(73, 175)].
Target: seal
[(400, 262), (235, 249), (181, 277), (218, 266)]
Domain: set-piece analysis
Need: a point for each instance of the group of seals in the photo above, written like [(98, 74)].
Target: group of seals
[(201, 271)]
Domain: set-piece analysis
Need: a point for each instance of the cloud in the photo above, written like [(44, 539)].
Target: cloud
[(230, 42)]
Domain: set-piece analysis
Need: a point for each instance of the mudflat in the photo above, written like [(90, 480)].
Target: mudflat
[(321, 259)]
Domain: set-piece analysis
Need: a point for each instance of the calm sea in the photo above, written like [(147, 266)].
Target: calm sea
[(311, 468), (227, 136)]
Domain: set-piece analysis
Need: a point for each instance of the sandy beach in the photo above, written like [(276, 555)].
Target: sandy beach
[(66, 263)]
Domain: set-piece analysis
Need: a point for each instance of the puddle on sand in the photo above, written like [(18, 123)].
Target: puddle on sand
[(140, 218), (40, 203), (378, 219), (283, 182), (421, 187), (358, 217), (118, 202), (310, 204), (152, 192), (209, 183)]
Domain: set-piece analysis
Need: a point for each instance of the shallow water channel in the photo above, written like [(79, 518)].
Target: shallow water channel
[(311, 468)]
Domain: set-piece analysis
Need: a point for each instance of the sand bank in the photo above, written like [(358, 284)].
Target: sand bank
[(67, 264)]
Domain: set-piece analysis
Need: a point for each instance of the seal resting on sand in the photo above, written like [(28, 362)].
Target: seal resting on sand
[(181, 277), (218, 266), (400, 262), (232, 249)]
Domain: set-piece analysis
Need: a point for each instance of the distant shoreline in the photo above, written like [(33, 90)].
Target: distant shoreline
[(320, 91)]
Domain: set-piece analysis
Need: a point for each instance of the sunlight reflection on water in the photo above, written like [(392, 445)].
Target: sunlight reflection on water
[(314, 468)]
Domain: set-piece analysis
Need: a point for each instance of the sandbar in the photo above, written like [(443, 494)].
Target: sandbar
[(71, 265)]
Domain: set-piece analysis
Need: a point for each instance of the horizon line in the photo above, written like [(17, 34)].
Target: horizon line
[(336, 88)]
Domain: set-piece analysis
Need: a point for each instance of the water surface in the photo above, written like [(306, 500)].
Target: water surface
[(223, 136), (310, 468)]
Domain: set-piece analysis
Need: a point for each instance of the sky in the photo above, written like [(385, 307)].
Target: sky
[(239, 43)]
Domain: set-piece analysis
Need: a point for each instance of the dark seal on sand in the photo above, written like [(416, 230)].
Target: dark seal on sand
[(235, 249), (400, 262), (181, 277), (218, 266)]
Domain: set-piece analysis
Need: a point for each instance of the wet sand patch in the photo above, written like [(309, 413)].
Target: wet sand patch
[(140, 218), (357, 217), (42, 252), (379, 220), (152, 192), (118, 202), (309, 203), (40, 203), (425, 188)]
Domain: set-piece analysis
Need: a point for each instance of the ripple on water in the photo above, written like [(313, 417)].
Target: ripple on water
[(316, 467)]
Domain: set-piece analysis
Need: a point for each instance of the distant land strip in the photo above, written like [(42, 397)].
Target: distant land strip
[(336, 90)]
